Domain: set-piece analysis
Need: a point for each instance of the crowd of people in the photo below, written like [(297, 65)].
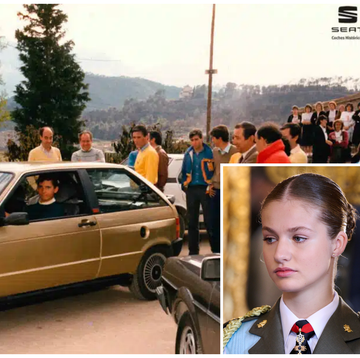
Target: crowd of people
[(328, 136), (314, 136)]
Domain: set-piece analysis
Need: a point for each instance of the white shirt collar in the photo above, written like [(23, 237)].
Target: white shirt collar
[(226, 149), (245, 153), (318, 321), (47, 202)]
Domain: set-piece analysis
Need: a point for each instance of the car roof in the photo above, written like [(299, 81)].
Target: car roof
[(20, 167)]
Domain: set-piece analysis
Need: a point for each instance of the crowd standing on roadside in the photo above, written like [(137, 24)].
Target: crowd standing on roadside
[(315, 136)]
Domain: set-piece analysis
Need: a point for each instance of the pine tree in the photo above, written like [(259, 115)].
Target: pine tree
[(53, 92)]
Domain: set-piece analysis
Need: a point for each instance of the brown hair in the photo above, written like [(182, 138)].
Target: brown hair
[(322, 193), (85, 132), (195, 132), (339, 121)]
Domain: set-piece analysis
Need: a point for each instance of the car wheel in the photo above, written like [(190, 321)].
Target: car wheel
[(186, 337), (182, 225), (148, 274)]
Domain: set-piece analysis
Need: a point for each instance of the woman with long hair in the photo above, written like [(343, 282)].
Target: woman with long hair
[(306, 224), (331, 114)]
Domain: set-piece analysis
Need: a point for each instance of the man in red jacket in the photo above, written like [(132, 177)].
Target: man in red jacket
[(270, 145)]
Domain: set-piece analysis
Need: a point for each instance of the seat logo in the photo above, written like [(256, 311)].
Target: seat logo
[(347, 14)]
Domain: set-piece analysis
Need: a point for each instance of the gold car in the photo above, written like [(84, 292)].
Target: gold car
[(115, 223)]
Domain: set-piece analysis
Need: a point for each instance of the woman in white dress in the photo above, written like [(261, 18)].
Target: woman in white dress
[(347, 118), (331, 114), (307, 130)]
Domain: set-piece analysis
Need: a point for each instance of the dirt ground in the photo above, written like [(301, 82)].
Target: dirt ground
[(109, 320)]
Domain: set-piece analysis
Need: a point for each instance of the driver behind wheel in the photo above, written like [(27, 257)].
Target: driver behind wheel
[(47, 207)]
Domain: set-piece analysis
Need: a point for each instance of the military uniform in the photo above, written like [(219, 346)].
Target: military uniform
[(263, 334)]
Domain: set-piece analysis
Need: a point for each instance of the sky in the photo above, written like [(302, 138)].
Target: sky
[(253, 44)]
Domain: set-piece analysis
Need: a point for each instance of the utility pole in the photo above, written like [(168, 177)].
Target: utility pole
[(210, 72)]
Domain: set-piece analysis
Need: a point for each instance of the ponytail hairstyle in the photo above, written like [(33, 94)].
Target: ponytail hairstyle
[(323, 194)]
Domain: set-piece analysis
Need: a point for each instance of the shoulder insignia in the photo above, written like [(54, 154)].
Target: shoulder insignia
[(233, 325)]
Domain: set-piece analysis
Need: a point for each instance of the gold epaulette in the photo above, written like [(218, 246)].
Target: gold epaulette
[(235, 323)]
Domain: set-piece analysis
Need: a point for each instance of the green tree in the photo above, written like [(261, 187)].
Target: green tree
[(53, 92)]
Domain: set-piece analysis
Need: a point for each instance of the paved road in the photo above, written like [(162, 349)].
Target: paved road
[(108, 320)]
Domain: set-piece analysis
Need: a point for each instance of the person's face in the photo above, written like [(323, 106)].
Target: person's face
[(307, 110), (296, 247), (295, 111), (46, 190), (348, 108), (139, 139), (337, 126), (47, 138), (286, 133), (196, 142), (85, 142), (342, 108), (216, 141), (332, 106), (240, 142), (318, 108), (323, 123), (260, 143)]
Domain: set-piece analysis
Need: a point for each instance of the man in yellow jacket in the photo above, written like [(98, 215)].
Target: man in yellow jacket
[(147, 160)]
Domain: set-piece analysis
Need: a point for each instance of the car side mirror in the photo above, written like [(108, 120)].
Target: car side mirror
[(171, 198), (210, 269), (15, 219)]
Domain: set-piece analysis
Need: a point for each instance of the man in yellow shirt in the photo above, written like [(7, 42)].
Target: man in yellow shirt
[(147, 161), (45, 152)]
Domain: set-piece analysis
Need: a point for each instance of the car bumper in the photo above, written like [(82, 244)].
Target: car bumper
[(176, 246)]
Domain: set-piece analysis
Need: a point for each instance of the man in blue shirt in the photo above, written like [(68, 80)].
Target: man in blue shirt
[(197, 171)]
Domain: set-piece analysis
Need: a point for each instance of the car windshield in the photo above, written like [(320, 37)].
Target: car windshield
[(4, 180)]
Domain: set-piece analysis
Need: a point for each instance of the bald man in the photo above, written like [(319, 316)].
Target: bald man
[(45, 152)]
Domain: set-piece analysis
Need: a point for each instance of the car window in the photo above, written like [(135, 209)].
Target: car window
[(68, 196), (5, 179), (118, 190)]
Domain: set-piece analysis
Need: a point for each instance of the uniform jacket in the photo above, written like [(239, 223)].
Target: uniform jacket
[(274, 153), (250, 338), (207, 165)]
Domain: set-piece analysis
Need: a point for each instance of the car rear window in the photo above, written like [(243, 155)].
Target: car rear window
[(5, 179)]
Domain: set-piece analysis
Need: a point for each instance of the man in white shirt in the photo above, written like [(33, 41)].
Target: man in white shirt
[(292, 132)]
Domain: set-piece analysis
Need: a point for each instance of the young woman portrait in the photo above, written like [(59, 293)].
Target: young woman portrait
[(306, 224)]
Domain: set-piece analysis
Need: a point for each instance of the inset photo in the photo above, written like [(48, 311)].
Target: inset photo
[(291, 270)]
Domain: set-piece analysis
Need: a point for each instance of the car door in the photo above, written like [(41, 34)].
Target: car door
[(49, 252), (130, 221)]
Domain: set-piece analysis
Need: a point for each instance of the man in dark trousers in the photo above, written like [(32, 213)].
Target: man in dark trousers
[(222, 153), (322, 144), (197, 171)]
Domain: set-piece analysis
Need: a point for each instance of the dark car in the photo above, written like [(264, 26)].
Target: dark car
[(190, 292)]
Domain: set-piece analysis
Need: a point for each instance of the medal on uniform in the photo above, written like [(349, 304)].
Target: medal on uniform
[(300, 338)]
